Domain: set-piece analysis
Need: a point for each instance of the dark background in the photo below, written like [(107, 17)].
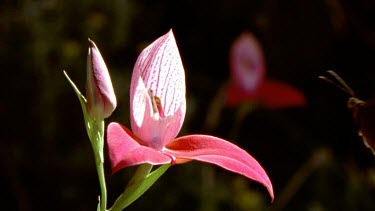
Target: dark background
[(312, 154)]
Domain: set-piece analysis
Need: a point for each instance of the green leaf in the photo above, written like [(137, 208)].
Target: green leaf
[(138, 185)]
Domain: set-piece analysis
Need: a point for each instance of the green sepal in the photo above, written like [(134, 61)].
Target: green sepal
[(81, 98), (87, 119), (138, 185)]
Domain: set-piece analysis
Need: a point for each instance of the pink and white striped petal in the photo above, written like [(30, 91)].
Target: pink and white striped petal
[(159, 67)]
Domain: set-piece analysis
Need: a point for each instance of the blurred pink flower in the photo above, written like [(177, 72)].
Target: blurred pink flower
[(101, 99), (157, 110), (249, 83)]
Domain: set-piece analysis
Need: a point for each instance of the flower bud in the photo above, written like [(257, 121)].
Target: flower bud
[(101, 99)]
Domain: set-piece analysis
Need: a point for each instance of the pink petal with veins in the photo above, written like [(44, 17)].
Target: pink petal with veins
[(159, 68)]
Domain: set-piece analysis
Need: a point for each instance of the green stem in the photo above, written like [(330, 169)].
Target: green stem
[(95, 131), (98, 148)]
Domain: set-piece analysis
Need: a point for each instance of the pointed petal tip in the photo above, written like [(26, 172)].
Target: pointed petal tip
[(91, 43), (170, 34)]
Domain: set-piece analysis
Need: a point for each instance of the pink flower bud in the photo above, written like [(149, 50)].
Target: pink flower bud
[(101, 99)]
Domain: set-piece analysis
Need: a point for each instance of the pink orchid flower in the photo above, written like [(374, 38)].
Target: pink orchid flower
[(248, 83), (157, 110)]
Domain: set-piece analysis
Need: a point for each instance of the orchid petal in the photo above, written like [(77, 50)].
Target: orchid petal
[(124, 150), (160, 69), (247, 62), (222, 153), (277, 94)]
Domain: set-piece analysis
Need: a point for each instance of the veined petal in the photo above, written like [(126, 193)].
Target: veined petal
[(247, 63), (152, 130), (277, 94), (142, 116), (124, 150), (159, 67), (219, 152)]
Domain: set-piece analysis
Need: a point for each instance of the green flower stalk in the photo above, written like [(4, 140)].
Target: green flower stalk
[(100, 103)]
